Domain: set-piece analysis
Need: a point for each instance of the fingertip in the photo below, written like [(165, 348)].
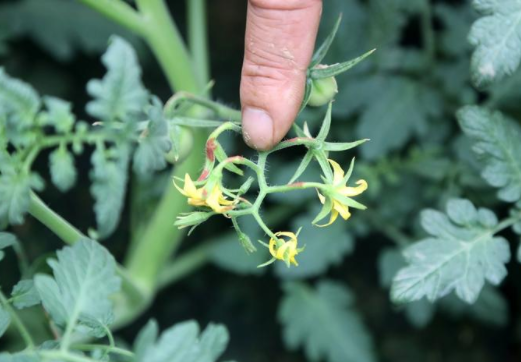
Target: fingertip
[(257, 126)]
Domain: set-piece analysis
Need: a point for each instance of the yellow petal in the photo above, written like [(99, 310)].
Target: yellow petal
[(282, 250), (180, 190), (292, 237), (343, 210), (354, 191), (338, 173), (190, 188), (321, 198), (334, 215), (273, 245)]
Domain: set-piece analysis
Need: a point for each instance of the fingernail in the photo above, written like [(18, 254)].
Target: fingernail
[(257, 128)]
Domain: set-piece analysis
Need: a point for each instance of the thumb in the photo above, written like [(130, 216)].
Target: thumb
[(280, 38)]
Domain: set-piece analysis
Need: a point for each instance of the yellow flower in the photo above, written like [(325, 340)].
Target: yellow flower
[(339, 198), (285, 250), (200, 197)]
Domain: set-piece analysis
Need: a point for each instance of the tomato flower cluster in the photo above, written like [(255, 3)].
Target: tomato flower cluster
[(212, 197)]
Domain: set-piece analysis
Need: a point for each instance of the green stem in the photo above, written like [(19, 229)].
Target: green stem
[(63, 356), (101, 347), (198, 39), (120, 12), (161, 238), (165, 40), (185, 264), (24, 333), (53, 221), (220, 110)]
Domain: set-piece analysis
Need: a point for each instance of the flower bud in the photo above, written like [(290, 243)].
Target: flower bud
[(192, 219), (323, 91)]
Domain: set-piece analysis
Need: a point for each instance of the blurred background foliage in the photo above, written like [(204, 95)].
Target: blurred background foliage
[(336, 304)]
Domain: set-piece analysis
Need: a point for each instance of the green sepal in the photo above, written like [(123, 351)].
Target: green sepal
[(349, 172), (326, 209), (342, 146), (307, 94), (336, 69), (324, 47), (302, 167), (349, 202), (221, 155), (326, 125)]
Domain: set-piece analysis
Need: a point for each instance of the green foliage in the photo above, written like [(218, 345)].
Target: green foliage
[(497, 39), (120, 93), (461, 253), (15, 191), (323, 322), (63, 172), (69, 26), (25, 295), (109, 181), (496, 141), (153, 144), (84, 279), (181, 343), (5, 320)]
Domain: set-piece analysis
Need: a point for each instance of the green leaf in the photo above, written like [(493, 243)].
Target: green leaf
[(153, 144), (461, 253), (70, 26), (19, 104), (418, 313), (121, 92), (5, 320), (496, 142), (63, 171), (15, 193), (323, 322), (391, 119), (58, 114), (497, 39), (25, 295), (7, 240), (109, 183), (84, 279), (324, 247), (181, 343), (456, 22)]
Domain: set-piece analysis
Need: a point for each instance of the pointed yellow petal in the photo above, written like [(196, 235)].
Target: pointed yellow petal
[(281, 251), (180, 190), (354, 191), (334, 215), (321, 198), (343, 210), (338, 173), (190, 188)]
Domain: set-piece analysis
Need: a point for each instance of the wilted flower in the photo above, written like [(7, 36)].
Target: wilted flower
[(285, 250), (200, 197)]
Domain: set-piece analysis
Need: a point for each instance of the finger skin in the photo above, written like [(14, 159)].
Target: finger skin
[(279, 43)]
